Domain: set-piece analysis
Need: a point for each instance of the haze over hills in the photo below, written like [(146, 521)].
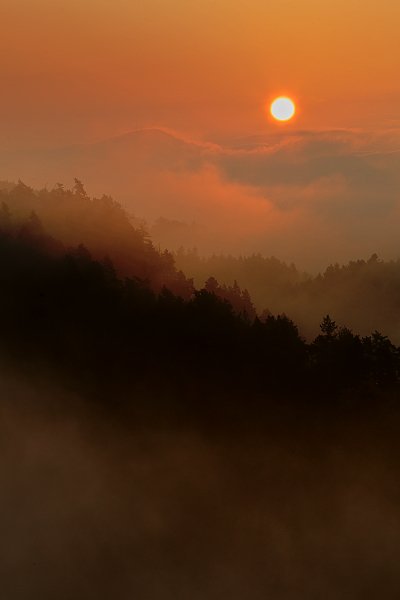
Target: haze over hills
[(307, 197), (363, 295)]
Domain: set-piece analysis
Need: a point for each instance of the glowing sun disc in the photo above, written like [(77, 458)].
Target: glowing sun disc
[(282, 108)]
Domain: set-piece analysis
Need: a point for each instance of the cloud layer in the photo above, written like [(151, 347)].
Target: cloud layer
[(308, 197)]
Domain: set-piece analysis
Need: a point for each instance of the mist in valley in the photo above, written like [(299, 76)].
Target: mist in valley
[(97, 503)]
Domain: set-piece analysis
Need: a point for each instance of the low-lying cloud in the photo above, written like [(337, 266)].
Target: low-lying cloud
[(308, 197)]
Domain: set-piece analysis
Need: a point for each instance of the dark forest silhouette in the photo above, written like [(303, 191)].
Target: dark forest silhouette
[(130, 322)]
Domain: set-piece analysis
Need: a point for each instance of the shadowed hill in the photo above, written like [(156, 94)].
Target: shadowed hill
[(114, 336)]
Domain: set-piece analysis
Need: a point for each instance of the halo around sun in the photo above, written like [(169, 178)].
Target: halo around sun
[(282, 108)]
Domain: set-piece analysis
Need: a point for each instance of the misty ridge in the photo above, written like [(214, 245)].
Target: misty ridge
[(88, 296), (361, 294)]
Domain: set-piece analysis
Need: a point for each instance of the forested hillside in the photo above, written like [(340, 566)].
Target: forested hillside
[(110, 335), (362, 294)]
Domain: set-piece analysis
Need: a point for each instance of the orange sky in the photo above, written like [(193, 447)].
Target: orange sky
[(85, 69)]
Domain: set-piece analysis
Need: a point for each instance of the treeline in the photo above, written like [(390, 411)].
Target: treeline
[(364, 294), (111, 336)]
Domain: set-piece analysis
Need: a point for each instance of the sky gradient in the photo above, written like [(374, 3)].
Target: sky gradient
[(93, 68)]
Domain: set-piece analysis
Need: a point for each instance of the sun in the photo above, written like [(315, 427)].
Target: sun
[(282, 108)]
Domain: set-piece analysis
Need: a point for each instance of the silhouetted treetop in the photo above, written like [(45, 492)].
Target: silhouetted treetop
[(328, 327)]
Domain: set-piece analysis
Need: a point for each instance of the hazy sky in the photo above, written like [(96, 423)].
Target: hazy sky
[(86, 68), (319, 189)]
